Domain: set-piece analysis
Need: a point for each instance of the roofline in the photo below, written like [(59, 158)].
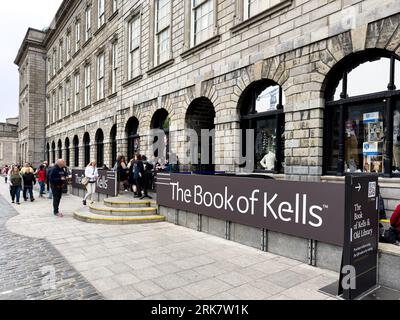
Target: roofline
[(27, 42)]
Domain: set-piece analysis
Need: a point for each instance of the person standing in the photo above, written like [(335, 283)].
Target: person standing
[(41, 175), (138, 173), (15, 182), (147, 177), (26, 169), (57, 178), (92, 174), (29, 181)]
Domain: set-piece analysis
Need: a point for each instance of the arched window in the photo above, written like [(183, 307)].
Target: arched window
[(53, 152), (161, 121), (100, 148), (67, 152), (362, 115), (86, 146), (113, 138), (261, 107), (59, 146), (76, 151), (133, 139), (201, 116)]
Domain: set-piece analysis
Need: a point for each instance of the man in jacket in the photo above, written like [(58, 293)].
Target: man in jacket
[(29, 181), (57, 179)]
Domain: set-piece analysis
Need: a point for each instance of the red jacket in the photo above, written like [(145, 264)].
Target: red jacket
[(395, 219), (42, 175)]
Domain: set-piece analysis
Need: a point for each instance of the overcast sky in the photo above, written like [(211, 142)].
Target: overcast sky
[(15, 18)]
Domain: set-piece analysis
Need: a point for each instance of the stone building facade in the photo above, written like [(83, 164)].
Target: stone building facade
[(9, 142), (32, 88), (113, 74)]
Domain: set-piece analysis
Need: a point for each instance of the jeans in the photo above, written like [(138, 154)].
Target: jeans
[(57, 195), (50, 193), (42, 188), (28, 190), (15, 193), (91, 189)]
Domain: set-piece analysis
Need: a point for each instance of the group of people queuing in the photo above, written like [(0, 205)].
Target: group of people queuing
[(24, 178)]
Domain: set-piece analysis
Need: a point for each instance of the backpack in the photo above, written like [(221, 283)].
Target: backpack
[(388, 236)]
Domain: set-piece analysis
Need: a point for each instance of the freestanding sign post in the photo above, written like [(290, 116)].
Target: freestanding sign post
[(361, 236)]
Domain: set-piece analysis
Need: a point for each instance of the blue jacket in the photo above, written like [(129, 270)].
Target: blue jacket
[(57, 177)]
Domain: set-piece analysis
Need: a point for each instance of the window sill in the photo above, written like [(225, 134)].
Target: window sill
[(113, 15), (87, 42), (99, 29), (160, 66), (99, 101), (129, 82), (262, 15), (112, 95), (200, 46), (76, 53)]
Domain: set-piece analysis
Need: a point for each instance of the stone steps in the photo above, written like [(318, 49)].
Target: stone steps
[(86, 216), (128, 202), (122, 211)]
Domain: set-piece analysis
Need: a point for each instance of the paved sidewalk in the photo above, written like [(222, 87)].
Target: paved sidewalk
[(163, 261)]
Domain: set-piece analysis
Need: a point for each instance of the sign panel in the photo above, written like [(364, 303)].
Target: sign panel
[(107, 183), (304, 209), (361, 233)]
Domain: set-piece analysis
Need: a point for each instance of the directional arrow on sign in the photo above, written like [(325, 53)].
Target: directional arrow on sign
[(358, 187)]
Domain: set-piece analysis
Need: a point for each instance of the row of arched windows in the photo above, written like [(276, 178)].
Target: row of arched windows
[(361, 123)]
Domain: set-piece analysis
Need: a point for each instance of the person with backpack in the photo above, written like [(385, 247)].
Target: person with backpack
[(91, 177), (15, 183), (29, 181)]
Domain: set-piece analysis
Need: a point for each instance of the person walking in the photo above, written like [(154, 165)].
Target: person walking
[(29, 181), (41, 176), (92, 175), (4, 172), (57, 178), (15, 182)]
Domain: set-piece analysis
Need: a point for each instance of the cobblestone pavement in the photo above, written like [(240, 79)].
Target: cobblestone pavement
[(27, 266), (150, 261)]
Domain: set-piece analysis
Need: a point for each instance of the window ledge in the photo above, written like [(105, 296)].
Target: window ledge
[(160, 66), (99, 29), (262, 15), (87, 42), (75, 113), (87, 107), (113, 15), (67, 117), (133, 80), (200, 46), (76, 53), (99, 101), (112, 95), (68, 62), (60, 70)]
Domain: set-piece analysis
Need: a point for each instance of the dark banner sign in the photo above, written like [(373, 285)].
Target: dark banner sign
[(361, 233), (304, 209), (107, 183)]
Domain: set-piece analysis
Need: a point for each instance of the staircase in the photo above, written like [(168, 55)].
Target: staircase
[(120, 210)]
